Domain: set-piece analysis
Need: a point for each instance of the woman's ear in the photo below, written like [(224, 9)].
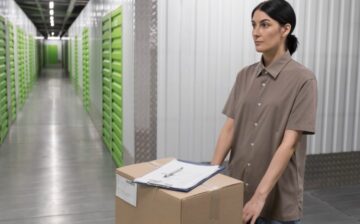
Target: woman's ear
[(286, 29)]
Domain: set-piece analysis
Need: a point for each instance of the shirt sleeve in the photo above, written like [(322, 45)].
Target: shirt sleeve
[(303, 112), (230, 105)]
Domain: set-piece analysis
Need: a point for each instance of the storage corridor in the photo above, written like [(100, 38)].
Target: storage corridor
[(88, 86), (53, 165)]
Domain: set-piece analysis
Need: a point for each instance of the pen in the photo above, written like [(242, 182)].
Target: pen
[(173, 172)]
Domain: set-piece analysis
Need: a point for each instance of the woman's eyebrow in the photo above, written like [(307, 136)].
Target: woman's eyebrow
[(265, 20), (261, 21)]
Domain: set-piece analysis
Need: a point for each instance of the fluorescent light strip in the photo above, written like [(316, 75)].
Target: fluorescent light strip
[(51, 4), (53, 38), (51, 12)]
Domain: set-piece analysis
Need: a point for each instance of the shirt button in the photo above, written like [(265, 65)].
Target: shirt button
[(252, 144), (249, 164), (246, 184), (263, 84), (256, 124), (259, 104)]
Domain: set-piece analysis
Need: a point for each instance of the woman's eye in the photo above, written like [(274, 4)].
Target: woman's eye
[(265, 25)]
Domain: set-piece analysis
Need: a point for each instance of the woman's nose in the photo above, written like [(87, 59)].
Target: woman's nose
[(255, 31)]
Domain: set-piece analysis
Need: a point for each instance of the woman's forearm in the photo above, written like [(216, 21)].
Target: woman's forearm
[(278, 163), (224, 142)]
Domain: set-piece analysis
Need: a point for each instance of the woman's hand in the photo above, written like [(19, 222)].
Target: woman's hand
[(253, 208)]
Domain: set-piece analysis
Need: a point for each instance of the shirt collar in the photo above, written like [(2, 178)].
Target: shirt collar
[(275, 67)]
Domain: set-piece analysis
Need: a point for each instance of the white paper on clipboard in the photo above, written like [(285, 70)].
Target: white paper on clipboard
[(179, 175)]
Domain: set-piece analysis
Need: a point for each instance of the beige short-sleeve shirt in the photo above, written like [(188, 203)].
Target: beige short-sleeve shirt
[(265, 102)]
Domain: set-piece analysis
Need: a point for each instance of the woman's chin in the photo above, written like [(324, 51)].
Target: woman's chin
[(259, 49)]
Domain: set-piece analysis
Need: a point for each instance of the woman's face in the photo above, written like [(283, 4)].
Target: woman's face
[(267, 33)]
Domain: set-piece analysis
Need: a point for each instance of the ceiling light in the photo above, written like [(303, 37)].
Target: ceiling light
[(51, 12), (51, 4), (52, 18), (53, 38), (52, 33), (52, 24)]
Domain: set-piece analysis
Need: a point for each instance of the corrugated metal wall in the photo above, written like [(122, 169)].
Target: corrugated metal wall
[(203, 44)]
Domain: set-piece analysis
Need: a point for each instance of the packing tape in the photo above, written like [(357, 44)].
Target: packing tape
[(214, 211)]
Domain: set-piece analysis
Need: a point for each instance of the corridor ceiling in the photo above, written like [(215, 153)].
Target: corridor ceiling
[(65, 12)]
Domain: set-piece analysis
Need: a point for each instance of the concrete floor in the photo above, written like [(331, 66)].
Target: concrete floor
[(338, 205), (53, 165), (54, 168)]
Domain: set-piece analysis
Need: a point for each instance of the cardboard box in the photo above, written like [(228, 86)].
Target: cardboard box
[(218, 200)]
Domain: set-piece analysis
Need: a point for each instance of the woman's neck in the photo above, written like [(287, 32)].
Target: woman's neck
[(272, 55)]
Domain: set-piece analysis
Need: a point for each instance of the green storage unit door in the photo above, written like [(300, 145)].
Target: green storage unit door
[(4, 114), (27, 64), (69, 57), (36, 55), (116, 79), (106, 76), (76, 64), (52, 54), (21, 66), (86, 91), (11, 54), (32, 65), (112, 84)]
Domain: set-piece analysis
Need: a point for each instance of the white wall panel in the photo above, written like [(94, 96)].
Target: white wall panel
[(203, 44), (198, 61)]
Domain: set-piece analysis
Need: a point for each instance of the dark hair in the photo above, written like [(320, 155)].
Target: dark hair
[(283, 13)]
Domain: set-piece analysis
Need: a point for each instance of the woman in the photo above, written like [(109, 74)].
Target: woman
[(270, 108)]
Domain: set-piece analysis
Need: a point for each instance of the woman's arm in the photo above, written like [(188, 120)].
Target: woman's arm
[(279, 162), (224, 142)]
